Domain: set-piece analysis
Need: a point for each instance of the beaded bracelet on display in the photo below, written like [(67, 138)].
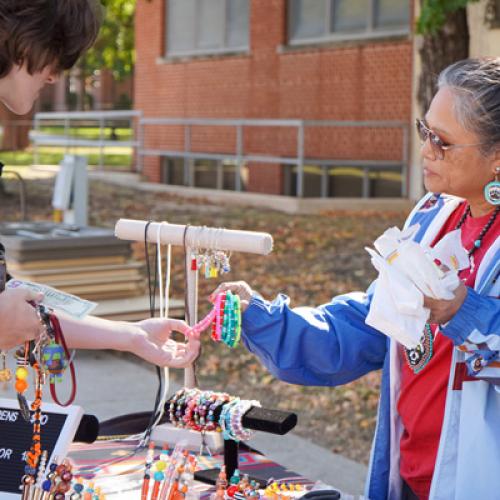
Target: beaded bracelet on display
[(197, 410), (224, 320)]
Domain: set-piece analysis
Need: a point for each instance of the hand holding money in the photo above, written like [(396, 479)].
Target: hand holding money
[(18, 319), (56, 299)]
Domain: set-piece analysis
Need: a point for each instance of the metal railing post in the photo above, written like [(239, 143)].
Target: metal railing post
[(139, 138), (101, 148), (405, 169), (300, 160), (239, 156), (188, 174), (324, 181), (66, 133), (67, 142), (366, 183)]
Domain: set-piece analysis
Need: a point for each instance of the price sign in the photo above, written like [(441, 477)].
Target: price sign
[(58, 428)]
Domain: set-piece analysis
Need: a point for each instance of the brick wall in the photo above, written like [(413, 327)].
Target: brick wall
[(349, 81)]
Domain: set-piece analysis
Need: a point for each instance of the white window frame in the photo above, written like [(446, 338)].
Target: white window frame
[(225, 49), (370, 33)]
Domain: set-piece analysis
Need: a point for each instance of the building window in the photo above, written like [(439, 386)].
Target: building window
[(197, 27), (312, 21), (325, 181), (211, 174)]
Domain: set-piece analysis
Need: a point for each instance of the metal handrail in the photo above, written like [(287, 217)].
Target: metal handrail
[(101, 118), (239, 156)]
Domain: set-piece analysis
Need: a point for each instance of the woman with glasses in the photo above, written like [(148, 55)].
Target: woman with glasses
[(438, 429)]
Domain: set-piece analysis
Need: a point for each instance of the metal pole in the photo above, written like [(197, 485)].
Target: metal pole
[(219, 174), (139, 138), (366, 183), (101, 149), (324, 181), (66, 134), (191, 312), (239, 154), (300, 160), (405, 169), (188, 177)]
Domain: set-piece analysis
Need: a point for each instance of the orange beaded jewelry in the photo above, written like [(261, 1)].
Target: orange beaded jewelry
[(21, 383)]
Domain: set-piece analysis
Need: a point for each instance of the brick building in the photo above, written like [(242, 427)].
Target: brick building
[(315, 60)]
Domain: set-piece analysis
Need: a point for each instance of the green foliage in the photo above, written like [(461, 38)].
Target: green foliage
[(434, 13), (114, 49)]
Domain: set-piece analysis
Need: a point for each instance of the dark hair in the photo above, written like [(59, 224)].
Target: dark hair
[(45, 33), (476, 85)]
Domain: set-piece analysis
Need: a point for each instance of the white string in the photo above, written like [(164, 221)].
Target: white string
[(163, 314), (167, 280), (160, 271)]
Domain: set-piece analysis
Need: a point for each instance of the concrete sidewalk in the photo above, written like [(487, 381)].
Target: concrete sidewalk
[(112, 384)]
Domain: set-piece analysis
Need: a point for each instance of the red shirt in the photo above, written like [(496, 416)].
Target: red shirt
[(423, 395)]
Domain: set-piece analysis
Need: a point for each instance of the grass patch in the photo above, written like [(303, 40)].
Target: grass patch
[(113, 157)]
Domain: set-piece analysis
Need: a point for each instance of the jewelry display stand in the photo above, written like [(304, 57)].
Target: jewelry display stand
[(259, 419), (192, 238)]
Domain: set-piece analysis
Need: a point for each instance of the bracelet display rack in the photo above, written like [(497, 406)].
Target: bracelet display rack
[(192, 238), (259, 419)]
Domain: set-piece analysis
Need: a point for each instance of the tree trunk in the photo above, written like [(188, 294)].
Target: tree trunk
[(448, 45)]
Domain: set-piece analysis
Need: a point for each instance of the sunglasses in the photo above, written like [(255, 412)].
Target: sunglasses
[(438, 146)]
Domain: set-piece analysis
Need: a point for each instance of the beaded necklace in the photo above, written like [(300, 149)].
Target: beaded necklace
[(418, 357)]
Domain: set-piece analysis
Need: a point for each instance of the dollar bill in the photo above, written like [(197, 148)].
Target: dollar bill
[(56, 299)]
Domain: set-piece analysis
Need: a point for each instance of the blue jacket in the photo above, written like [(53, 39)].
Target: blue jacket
[(331, 345)]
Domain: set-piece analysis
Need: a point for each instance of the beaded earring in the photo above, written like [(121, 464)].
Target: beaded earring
[(5, 372), (21, 383), (492, 190)]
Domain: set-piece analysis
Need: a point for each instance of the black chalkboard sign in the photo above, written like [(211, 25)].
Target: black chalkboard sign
[(58, 427)]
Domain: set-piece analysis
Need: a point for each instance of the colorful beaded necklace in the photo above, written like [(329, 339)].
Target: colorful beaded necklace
[(418, 357)]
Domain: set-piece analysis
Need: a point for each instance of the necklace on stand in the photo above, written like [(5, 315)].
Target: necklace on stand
[(418, 357)]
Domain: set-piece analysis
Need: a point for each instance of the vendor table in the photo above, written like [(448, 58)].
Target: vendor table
[(118, 471)]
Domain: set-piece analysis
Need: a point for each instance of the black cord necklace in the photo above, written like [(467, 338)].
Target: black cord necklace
[(418, 357), (486, 228), (152, 284)]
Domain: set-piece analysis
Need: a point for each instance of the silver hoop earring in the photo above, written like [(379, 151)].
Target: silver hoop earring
[(492, 190)]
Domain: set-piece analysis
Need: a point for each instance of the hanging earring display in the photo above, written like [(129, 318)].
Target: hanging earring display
[(492, 190), (212, 262)]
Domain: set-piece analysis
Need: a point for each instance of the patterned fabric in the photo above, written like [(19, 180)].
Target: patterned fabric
[(331, 345), (118, 469)]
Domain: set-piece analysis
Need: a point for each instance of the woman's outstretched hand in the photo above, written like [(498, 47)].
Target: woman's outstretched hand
[(240, 288), (153, 343)]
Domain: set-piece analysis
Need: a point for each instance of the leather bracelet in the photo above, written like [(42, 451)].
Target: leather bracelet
[(59, 338)]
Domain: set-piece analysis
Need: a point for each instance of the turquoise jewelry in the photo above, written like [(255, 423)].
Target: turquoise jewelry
[(418, 357), (492, 190), (486, 228)]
